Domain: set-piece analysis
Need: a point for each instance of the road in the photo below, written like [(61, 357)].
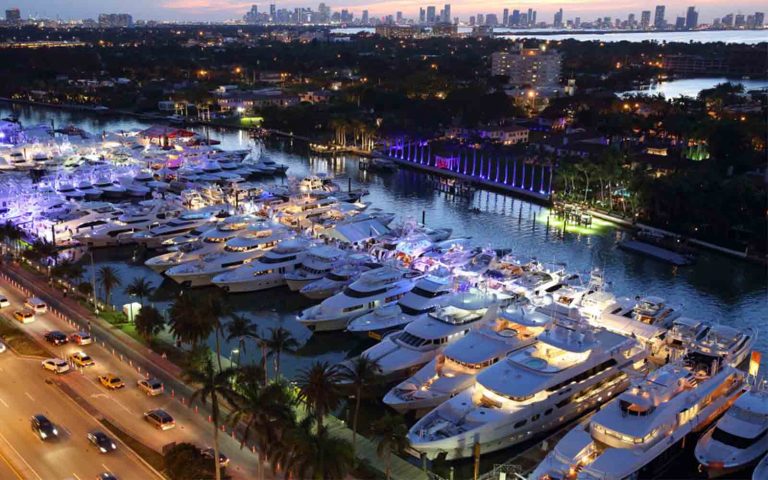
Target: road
[(25, 393), (125, 407)]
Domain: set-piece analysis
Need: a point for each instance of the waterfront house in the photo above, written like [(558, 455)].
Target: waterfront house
[(505, 134)]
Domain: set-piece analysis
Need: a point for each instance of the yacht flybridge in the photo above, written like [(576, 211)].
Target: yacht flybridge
[(627, 436), (317, 263), (454, 370), (573, 368)]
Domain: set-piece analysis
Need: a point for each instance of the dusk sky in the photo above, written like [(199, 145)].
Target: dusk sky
[(216, 10)]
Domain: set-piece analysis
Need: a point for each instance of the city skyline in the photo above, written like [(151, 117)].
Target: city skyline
[(217, 10)]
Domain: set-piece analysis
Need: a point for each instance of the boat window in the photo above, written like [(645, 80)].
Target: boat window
[(630, 408), (549, 410), (584, 375), (736, 441), (336, 277), (351, 292), (426, 293), (115, 233), (520, 423), (266, 259), (412, 340), (413, 311), (352, 309)]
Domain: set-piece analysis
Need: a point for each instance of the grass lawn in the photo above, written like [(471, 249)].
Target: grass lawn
[(19, 340)]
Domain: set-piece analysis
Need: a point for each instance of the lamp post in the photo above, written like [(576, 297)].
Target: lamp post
[(93, 284)]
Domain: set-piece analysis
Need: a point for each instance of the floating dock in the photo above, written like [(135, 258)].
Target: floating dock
[(658, 253)]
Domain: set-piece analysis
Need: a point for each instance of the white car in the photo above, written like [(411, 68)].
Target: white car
[(4, 301), (56, 365), (151, 386)]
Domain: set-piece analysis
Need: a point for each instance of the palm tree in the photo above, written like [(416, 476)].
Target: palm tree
[(140, 287), (12, 233), (187, 321), (280, 340), (214, 308), (318, 389), (68, 270), (213, 385), (108, 278), (265, 413), (392, 435), (242, 329), (149, 322), (316, 455), (360, 373)]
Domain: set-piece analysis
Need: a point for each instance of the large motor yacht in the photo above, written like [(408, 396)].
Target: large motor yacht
[(454, 370), (88, 216), (339, 277), (268, 271), (401, 353), (625, 438), (428, 293), (740, 437), (317, 263), (239, 251), (120, 231), (573, 368), (187, 221), (374, 289)]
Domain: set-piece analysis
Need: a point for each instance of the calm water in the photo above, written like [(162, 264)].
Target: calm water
[(726, 36), (717, 288), (690, 87)]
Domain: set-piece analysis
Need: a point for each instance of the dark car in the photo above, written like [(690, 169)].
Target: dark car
[(208, 453), (101, 440), (43, 427), (56, 337), (160, 419), (106, 476)]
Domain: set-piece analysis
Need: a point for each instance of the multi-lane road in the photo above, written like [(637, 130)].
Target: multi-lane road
[(26, 389)]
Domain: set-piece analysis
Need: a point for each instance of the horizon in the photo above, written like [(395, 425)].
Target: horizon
[(223, 10)]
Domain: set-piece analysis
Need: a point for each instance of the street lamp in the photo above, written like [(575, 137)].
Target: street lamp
[(93, 284)]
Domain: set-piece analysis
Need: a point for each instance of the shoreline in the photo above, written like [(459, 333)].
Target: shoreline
[(526, 195)]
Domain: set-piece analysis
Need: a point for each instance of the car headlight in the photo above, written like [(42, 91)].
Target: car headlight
[(113, 446), (55, 432), (43, 435), (103, 450)]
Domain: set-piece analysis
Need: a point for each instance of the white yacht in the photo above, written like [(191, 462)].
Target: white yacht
[(626, 437), (403, 352), (374, 289), (733, 344), (761, 470), (120, 231), (68, 191), (184, 223), (572, 369), (237, 252), (537, 282), (316, 264), (268, 271), (339, 277), (89, 191), (740, 437), (455, 369), (109, 188), (88, 216), (429, 293)]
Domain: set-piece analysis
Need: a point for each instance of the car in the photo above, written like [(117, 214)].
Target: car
[(55, 337), (25, 315), (35, 304), (106, 476), (56, 365), (111, 381), (151, 386), (81, 359), (81, 338), (43, 427), (208, 453), (4, 301), (102, 440), (161, 419)]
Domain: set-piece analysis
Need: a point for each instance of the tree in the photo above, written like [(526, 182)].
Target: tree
[(360, 373), (318, 389), (265, 412), (187, 321), (67, 269), (140, 287), (184, 461), (108, 278), (213, 385), (280, 340), (391, 434), (316, 455), (149, 322), (240, 328)]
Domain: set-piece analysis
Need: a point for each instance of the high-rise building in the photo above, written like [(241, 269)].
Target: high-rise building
[(514, 20), (529, 17), (533, 19), (364, 19), (759, 19), (727, 20), (505, 17), (524, 19), (398, 18), (537, 67), (680, 23), (491, 20), (115, 20), (431, 14), (658, 17), (422, 15), (446, 13), (631, 20), (645, 19), (13, 15), (577, 22), (691, 18), (272, 12), (740, 21), (558, 23), (480, 19)]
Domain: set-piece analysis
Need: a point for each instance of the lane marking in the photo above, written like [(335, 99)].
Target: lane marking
[(106, 468), (75, 475), (3, 402), (29, 396), (11, 467), (20, 456)]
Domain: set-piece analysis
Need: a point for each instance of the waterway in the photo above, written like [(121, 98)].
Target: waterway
[(704, 36), (716, 288), (690, 87)]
